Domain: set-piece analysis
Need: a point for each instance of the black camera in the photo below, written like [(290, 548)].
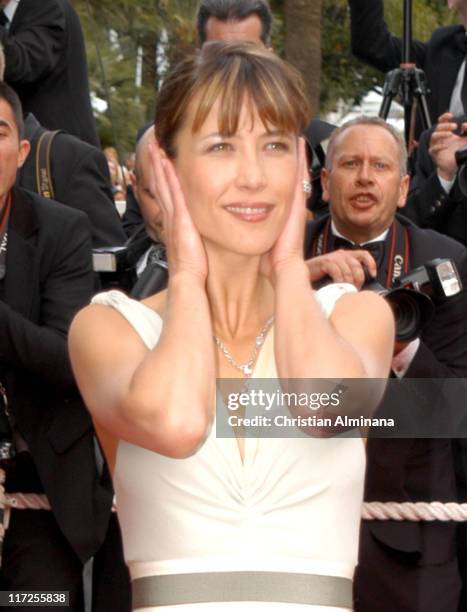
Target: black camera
[(116, 267), (461, 159), (155, 276), (413, 296)]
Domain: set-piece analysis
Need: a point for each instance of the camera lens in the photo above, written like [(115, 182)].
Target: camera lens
[(407, 315)]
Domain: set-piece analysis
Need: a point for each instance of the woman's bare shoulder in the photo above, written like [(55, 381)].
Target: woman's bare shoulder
[(97, 316), (100, 325)]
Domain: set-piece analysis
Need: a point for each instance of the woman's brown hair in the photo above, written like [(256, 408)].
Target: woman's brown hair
[(235, 72)]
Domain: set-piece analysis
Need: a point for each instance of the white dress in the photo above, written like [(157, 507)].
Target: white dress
[(293, 505)]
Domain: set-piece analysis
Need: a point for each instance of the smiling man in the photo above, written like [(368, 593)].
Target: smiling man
[(403, 565)]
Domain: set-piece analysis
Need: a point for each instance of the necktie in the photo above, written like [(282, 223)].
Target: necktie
[(376, 249), (4, 21)]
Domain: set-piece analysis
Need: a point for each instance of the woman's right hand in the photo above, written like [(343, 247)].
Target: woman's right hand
[(185, 249)]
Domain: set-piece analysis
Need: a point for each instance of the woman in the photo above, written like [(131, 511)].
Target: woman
[(209, 520)]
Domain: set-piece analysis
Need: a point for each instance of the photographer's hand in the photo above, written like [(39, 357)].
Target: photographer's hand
[(443, 145), (342, 267), (185, 250)]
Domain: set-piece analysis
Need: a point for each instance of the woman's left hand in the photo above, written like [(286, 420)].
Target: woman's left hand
[(288, 247)]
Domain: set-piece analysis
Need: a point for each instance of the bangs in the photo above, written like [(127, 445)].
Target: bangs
[(278, 102), (235, 74)]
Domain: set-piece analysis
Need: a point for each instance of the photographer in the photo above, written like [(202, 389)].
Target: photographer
[(144, 194), (45, 277), (410, 566), (142, 267), (442, 58), (435, 200)]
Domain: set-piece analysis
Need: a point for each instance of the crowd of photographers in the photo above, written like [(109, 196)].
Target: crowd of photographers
[(53, 468)]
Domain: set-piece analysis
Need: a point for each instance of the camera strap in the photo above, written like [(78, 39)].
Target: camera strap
[(44, 183), (396, 249)]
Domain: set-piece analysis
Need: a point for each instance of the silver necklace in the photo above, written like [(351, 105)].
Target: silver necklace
[(246, 368)]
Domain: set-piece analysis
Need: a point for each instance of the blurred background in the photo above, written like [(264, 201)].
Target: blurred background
[(124, 36)]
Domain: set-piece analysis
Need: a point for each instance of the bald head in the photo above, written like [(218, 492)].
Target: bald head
[(2, 63), (142, 148), (144, 186)]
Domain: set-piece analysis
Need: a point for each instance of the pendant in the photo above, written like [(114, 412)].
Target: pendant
[(247, 369)]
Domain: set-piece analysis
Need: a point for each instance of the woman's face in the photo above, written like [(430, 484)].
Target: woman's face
[(238, 188)]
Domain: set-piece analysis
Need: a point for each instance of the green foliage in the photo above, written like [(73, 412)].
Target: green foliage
[(123, 36), (342, 77), (116, 31)]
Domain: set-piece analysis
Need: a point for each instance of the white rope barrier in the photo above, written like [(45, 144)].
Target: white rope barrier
[(26, 501), (414, 511), (371, 511)]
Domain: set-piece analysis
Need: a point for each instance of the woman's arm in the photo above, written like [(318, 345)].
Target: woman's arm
[(355, 342), (161, 399)]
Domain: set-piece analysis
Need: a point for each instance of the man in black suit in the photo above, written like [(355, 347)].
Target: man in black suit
[(77, 174), (406, 566), (45, 277), (442, 57), (46, 64), (435, 199), (80, 178)]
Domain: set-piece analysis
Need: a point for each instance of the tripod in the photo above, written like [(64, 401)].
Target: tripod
[(409, 83)]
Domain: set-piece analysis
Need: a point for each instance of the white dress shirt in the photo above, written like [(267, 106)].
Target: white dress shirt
[(10, 9)]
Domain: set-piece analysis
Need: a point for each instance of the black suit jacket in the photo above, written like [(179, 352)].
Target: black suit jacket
[(46, 65), (412, 566), (428, 204), (49, 277), (441, 57), (81, 179)]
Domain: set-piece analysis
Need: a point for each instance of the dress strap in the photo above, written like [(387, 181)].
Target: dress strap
[(328, 296), (278, 587), (146, 322)]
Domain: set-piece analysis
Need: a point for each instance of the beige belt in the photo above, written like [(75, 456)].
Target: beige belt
[(279, 587)]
